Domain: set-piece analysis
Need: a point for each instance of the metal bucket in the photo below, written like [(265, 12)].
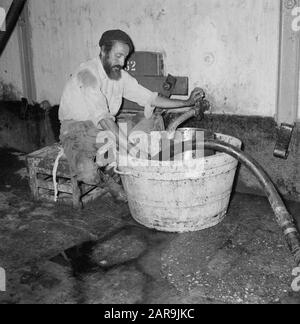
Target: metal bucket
[(180, 199)]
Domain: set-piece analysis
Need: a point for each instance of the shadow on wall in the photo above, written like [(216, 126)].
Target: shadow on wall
[(28, 128)]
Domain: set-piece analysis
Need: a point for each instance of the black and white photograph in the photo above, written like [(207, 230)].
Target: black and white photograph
[(150, 155)]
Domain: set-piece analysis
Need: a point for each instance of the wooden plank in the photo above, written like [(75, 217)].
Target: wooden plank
[(76, 193), (60, 173), (45, 194), (50, 186), (94, 194), (45, 151), (63, 167), (31, 166), (48, 195)]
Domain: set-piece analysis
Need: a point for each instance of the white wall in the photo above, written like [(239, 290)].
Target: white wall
[(10, 68), (229, 47)]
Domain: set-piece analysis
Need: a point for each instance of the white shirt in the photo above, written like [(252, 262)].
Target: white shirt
[(91, 95)]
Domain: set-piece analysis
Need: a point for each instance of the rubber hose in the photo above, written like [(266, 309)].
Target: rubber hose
[(283, 218)]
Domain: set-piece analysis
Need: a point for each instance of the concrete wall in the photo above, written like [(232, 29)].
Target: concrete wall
[(11, 86), (27, 128), (228, 47)]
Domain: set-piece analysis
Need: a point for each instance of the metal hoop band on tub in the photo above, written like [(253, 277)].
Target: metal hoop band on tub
[(117, 171)]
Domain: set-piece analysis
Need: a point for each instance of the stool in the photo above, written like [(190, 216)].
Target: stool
[(70, 191)]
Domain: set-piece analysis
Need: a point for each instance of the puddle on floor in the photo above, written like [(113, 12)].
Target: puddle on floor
[(124, 267)]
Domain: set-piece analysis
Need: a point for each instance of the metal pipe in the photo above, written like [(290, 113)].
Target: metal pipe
[(10, 22), (197, 111), (180, 120)]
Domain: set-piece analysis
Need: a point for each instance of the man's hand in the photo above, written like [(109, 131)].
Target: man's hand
[(197, 95)]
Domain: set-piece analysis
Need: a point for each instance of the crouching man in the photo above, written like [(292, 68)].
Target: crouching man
[(92, 99)]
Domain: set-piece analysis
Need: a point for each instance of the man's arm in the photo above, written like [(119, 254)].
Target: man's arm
[(135, 92), (110, 125), (159, 102), (166, 103)]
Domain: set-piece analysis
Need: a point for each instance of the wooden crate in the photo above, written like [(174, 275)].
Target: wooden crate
[(40, 167)]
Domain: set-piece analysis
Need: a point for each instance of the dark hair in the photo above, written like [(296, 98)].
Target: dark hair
[(107, 46), (109, 38)]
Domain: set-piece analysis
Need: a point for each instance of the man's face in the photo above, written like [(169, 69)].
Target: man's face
[(114, 61)]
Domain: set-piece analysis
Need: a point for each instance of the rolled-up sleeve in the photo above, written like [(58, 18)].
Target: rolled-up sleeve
[(135, 92)]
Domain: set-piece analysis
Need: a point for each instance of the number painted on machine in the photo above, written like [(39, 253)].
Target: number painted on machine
[(296, 20), (2, 19), (131, 66), (296, 282)]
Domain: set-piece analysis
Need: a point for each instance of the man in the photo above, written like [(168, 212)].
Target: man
[(92, 99)]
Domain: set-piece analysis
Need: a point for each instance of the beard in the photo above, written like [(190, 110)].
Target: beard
[(114, 72)]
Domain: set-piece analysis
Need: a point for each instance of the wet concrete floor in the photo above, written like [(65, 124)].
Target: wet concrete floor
[(55, 255)]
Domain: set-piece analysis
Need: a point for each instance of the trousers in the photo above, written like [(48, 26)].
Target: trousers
[(79, 141)]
